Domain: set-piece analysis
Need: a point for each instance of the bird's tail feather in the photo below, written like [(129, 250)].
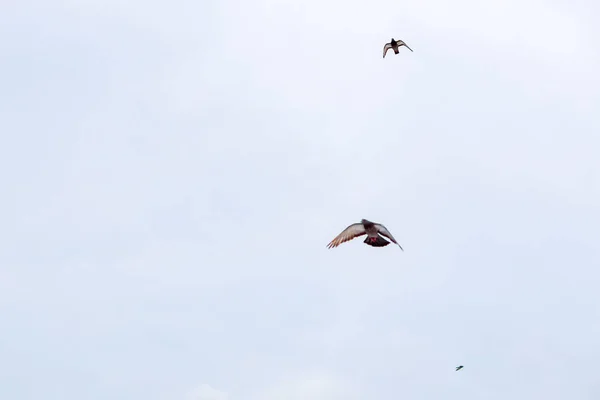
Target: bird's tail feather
[(378, 242)]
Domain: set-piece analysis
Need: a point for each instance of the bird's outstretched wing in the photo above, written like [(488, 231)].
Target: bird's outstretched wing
[(401, 43), (349, 233), (386, 48), (383, 230)]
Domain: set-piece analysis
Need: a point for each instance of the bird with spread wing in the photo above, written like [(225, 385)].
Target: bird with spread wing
[(394, 44), (373, 230)]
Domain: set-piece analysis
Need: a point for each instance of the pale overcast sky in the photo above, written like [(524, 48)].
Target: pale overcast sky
[(173, 171)]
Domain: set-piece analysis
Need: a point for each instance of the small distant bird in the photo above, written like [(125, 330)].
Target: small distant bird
[(459, 367), (365, 227), (394, 44)]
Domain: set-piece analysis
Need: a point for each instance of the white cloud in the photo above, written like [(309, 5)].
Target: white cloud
[(207, 392), (311, 386), (316, 386)]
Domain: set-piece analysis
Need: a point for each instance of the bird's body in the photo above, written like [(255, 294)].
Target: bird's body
[(459, 367), (365, 227), (394, 45)]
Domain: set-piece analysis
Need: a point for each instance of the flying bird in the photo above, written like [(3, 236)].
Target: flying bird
[(394, 44), (365, 227), (459, 367)]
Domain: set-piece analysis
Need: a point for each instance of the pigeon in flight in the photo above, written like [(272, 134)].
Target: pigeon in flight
[(394, 44), (365, 227), (459, 367)]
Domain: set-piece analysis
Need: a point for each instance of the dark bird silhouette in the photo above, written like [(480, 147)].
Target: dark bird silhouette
[(394, 44), (365, 227), (459, 367)]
